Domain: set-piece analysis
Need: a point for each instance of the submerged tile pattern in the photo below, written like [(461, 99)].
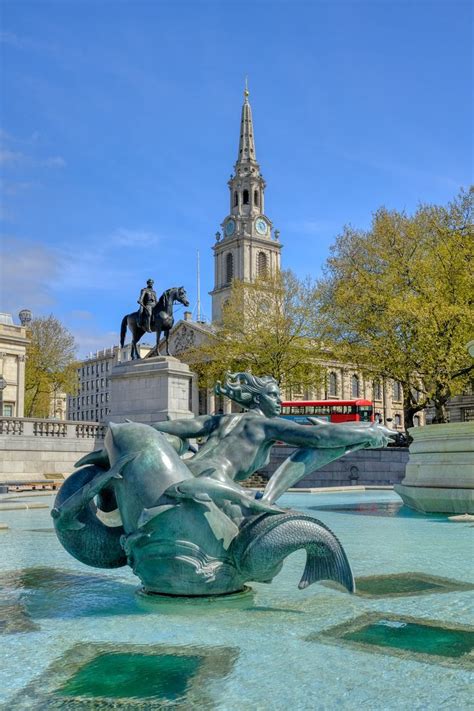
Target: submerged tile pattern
[(14, 618), (89, 677), (411, 638), (407, 584), (390, 509)]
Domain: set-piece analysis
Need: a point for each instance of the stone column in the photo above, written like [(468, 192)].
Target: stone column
[(20, 403), (211, 402)]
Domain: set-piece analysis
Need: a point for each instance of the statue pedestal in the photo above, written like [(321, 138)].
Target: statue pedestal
[(151, 390)]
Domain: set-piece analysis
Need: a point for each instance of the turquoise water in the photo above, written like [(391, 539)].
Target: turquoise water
[(73, 636)]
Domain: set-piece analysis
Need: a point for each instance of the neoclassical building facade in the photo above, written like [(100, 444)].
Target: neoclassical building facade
[(13, 342)]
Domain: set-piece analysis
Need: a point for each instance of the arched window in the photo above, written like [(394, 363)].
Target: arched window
[(416, 421), (332, 384), (397, 420), (377, 390), (397, 391), (355, 386), (255, 198), (236, 199), (245, 197), (378, 418), (229, 268), (262, 264)]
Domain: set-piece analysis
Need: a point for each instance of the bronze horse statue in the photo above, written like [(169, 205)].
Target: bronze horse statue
[(161, 321)]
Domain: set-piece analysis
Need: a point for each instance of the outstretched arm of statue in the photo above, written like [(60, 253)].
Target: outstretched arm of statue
[(192, 427), (325, 435)]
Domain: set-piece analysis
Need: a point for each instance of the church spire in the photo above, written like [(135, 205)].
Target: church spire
[(247, 141), (246, 249)]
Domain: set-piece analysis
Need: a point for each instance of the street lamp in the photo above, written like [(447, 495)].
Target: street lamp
[(25, 317)]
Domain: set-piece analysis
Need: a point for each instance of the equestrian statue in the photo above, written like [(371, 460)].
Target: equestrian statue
[(154, 315)]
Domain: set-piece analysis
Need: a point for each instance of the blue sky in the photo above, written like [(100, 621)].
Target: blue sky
[(120, 124)]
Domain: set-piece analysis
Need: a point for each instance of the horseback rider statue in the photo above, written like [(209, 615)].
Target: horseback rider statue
[(147, 301), (154, 316)]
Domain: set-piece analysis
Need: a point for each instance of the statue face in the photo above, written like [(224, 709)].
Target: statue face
[(269, 401)]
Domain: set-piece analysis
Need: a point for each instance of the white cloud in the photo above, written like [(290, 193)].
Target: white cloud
[(10, 38), (53, 162), (14, 188), (7, 156), (310, 226), (82, 315), (27, 274), (92, 340), (134, 238)]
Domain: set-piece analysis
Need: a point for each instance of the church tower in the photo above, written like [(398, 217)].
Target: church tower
[(246, 248)]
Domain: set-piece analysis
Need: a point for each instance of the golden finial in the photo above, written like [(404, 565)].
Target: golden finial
[(246, 90)]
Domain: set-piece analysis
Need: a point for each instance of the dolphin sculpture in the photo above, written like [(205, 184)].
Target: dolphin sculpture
[(204, 489)]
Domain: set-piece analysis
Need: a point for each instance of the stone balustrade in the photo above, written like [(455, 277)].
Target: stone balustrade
[(33, 448), (64, 429)]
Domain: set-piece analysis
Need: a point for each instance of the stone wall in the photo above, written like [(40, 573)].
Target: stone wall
[(32, 449), (364, 467)]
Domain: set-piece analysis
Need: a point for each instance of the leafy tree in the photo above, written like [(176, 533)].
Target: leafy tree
[(397, 300), (50, 364), (266, 328)]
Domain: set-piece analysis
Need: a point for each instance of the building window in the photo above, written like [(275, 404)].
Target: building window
[(332, 383), (229, 268), (8, 409), (236, 199), (245, 197), (467, 414), (255, 198), (355, 386), (377, 390), (262, 264), (416, 421), (397, 391), (397, 421)]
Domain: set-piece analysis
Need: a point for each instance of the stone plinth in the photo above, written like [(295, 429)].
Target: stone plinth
[(440, 471), (151, 390)]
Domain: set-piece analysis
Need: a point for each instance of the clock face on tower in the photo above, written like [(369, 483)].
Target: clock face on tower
[(261, 226), (230, 228)]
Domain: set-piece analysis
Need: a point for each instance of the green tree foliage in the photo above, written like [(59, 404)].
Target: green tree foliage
[(266, 328), (397, 300), (50, 365)]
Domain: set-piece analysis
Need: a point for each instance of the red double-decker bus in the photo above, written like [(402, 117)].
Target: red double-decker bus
[(330, 410)]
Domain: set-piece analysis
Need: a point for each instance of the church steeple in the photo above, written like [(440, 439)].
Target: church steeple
[(246, 249), (247, 142)]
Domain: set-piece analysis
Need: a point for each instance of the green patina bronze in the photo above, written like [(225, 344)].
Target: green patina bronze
[(186, 526)]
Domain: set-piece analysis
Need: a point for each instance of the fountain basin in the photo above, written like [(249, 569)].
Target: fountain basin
[(440, 471)]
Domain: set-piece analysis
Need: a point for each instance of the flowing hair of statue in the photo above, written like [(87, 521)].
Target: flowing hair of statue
[(241, 387)]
